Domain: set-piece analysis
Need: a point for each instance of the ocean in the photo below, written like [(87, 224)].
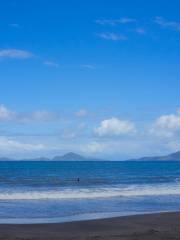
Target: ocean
[(44, 191)]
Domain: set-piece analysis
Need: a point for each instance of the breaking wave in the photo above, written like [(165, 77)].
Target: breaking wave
[(92, 193)]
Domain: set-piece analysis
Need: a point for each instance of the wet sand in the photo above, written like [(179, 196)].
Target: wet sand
[(141, 227)]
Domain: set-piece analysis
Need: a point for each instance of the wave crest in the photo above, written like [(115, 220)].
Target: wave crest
[(91, 193)]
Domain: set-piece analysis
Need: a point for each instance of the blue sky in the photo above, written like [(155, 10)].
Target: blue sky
[(100, 78)]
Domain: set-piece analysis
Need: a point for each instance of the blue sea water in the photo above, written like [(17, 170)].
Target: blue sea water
[(50, 191)]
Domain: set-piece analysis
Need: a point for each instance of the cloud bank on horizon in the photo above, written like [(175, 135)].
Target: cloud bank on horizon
[(85, 132), (100, 81)]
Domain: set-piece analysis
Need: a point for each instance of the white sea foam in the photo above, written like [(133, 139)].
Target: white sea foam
[(91, 193)]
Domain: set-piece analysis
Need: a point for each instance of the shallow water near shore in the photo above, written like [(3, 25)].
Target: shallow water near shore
[(49, 191)]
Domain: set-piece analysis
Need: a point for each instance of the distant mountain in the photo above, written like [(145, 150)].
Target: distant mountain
[(4, 159), (76, 157), (38, 159), (69, 157), (171, 157)]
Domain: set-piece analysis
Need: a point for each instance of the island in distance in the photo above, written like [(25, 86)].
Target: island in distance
[(170, 157), (77, 157), (66, 157)]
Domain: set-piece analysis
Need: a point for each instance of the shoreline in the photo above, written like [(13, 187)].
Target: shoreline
[(76, 218), (146, 226)]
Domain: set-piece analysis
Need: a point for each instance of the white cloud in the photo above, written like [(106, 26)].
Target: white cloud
[(95, 147), (15, 53), (114, 22), (87, 66), (6, 114), (115, 127), (167, 125), (140, 31), (112, 36), (36, 116), (173, 145), (43, 116), (119, 149), (51, 64), (82, 113), (167, 24), (8, 145)]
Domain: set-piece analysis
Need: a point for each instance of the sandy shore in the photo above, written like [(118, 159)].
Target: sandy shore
[(152, 226)]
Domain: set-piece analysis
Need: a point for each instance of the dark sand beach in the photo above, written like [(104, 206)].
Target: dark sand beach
[(151, 226)]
